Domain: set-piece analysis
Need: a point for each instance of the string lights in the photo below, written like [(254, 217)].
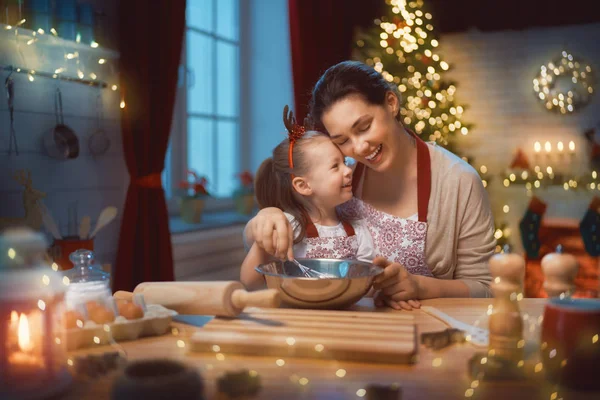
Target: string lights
[(32, 37)]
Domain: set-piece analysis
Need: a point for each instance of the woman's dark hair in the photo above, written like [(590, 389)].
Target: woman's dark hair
[(344, 79), (273, 183)]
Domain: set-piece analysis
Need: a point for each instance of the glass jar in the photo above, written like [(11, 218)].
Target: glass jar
[(88, 299)]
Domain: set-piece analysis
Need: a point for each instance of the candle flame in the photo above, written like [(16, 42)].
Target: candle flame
[(24, 338), (14, 317), (537, 147)]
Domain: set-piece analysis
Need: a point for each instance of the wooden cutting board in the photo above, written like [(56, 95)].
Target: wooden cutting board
[(389, 338)]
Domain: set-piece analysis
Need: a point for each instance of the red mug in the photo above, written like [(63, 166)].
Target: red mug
[(571, 342)]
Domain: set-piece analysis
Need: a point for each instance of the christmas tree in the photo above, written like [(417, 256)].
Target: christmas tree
[(403, 47)]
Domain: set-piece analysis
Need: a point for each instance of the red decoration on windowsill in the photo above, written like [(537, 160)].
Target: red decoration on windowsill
[(246, 179), (194, 188)]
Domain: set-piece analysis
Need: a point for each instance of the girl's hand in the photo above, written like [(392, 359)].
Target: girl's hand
[(397, 287), (273, 233)]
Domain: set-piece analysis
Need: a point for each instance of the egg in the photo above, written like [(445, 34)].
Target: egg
[(121, 301), (90, 305), (130, 310), (101, 314), (71, 318)]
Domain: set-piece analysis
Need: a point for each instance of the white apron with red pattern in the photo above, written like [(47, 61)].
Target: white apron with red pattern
[(336, 247), (398, 239)]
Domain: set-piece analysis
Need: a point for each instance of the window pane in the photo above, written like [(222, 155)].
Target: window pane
[(200, 14), (200, 148), (227, 79), (200, 61), (227, 19), (227, 159)]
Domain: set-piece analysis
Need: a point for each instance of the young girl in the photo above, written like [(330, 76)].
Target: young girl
[(308, 179)]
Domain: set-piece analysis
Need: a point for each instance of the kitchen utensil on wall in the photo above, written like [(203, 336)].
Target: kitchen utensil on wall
[(49, 222), (10, 94), (61, 141), (98, 142), (226, 298), (106, 216), (84, 227), (72, 221)]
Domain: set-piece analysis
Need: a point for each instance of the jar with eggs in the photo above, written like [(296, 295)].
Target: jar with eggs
[(93, 316)]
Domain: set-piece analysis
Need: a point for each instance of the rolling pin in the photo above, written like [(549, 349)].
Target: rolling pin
[(224, 298)]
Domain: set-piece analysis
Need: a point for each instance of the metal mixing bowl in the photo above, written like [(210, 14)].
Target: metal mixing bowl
[(352, 280)]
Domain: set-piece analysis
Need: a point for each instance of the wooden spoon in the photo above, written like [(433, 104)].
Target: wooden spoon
[(84, 227), (106, 216)]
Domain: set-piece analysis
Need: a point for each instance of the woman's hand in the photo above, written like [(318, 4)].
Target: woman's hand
[(273, 233), (397, 287)]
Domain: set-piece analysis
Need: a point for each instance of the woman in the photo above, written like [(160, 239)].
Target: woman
[(426, 208)]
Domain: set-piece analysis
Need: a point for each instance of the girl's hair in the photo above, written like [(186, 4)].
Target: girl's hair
[(344, 79), (273, 183)]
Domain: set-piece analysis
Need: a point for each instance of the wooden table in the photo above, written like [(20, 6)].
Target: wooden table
[(437, 375)]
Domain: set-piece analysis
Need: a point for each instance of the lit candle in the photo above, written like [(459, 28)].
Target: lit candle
[(23, 361), (13, 328), (561, 160), (548, 148), (32, 353), (571, 153), (537, 147)]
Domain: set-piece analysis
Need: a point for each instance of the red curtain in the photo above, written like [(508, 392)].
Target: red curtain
[(321, 35), (150, 36)]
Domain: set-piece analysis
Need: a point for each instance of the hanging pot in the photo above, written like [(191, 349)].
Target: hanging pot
[(61, 141), (98, 142)]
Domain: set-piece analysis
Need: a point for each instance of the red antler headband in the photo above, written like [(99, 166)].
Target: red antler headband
[(295, 132)]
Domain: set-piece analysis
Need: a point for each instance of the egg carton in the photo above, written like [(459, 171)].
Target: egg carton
[(156, 321)]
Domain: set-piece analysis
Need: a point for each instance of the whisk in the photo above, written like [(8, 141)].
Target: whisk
[(311, 273)]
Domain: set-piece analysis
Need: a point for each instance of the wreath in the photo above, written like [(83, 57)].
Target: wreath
[(565, 84)]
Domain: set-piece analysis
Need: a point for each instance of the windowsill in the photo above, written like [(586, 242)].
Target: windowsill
[(210, 220)]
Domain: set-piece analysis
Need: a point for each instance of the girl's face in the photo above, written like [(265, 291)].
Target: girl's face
[(329, 180), (365, 131)]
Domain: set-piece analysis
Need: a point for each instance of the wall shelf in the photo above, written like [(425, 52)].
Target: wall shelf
[(25, 51), (37, 73)]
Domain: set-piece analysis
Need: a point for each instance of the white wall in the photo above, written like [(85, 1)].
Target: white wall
[(92, 182), (266, 76), (494, 72)]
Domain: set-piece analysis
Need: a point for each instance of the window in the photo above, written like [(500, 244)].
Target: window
[(205, 133)]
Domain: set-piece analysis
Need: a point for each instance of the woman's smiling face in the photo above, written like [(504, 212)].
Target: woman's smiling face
[(365, 131)]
